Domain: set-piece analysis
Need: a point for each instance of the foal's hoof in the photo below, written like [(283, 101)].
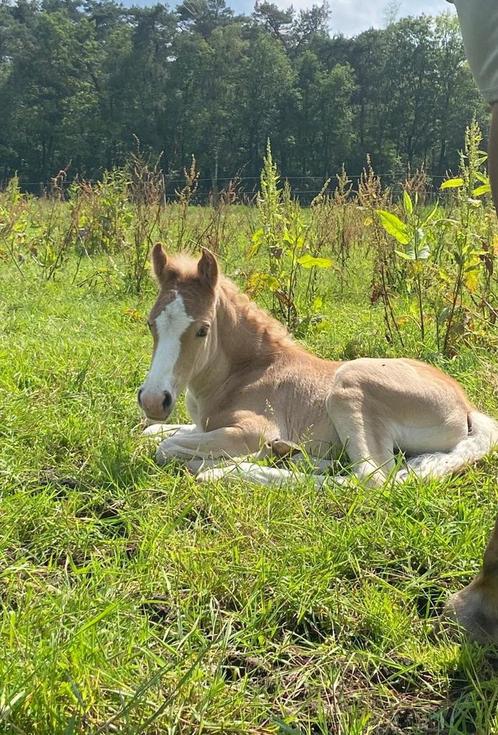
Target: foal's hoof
[(159, 430), (161, 457), (475, 608), (283, 448), (403, 475), (213, 474), (167, 452)]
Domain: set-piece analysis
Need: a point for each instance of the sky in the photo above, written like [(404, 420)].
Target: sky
[(348, 16), (353, 16)]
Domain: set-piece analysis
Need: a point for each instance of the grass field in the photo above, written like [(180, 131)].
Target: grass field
[(135, 601)]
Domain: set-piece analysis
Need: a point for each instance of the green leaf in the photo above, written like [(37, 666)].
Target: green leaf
[(295, 239), (394, 226), (308, 261), (407, 203), (452, 184), (256, 242), (431, 214), (422, 253), (480, 190), (409, 255), (284, 729), (482, 177), (97, 618), (419, 236), (259, 281), (444, 314)]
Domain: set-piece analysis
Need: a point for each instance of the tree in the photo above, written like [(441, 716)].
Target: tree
[(80, 80)]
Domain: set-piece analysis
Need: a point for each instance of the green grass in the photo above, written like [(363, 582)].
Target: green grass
[(135, 601)]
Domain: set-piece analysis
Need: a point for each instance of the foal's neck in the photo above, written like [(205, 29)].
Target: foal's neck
[(247, 336), (247, 333)]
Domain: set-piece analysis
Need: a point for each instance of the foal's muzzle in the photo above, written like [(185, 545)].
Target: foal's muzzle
[(156, 406)]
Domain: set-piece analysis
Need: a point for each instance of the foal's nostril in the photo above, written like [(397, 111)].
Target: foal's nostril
[(139, 395), (168, 400)]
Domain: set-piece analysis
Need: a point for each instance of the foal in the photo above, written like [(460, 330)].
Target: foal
[(250, 386)]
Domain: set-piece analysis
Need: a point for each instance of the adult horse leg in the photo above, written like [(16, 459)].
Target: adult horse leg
[(476, 606)]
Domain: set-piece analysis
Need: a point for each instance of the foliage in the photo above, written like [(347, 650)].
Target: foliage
[(446, 261), (134, 600), (28, 231), (101, 212), (79, 81), (283, 238), (429, 266)]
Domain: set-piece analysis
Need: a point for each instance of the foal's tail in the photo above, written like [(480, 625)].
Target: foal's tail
[(482, 438)]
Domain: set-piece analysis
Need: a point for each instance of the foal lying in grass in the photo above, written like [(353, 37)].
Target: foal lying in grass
[(250, 386)]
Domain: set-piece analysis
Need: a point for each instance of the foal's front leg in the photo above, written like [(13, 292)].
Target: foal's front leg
[(224, 443), (158, 431), (260, 475)]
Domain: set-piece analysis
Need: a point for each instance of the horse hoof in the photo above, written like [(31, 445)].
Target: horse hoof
[(211, 475), (165, 453), (161, 457), (282, 448), (154, 430), (471, 610), (402, 475)]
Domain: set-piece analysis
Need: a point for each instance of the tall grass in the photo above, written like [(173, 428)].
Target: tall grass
[(135, 601), (432, 268)]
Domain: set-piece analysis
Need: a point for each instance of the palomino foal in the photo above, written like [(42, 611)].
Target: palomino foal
[(250, 386)]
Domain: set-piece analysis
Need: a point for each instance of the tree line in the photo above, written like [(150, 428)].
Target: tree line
[(80, 82)]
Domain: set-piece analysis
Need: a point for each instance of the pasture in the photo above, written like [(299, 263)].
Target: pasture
[(137, 601)]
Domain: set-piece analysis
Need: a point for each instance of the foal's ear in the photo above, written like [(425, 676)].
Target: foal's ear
[(207, 268), (159, 261)]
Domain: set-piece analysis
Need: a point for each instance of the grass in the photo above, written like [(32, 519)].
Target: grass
[(135, 601)]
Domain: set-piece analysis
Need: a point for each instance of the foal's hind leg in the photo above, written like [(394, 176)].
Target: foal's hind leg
[(251, 472), (363, 434)]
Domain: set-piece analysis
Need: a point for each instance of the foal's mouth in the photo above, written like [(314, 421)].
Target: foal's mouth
[(150, 402), (157, 419)]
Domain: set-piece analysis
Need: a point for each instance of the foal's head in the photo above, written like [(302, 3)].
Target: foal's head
[(182, 322)]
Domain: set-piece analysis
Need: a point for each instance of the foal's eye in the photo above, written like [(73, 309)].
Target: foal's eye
[(202, 332)]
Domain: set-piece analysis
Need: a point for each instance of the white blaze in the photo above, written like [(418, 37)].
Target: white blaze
[(170, 325)]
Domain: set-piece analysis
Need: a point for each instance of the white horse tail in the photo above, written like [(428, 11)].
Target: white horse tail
[(482, 438)]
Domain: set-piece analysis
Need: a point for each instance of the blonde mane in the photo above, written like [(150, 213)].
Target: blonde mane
[(267, 331), (265, 327)]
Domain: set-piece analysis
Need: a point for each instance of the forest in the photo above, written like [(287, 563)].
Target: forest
[(83, 84)]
